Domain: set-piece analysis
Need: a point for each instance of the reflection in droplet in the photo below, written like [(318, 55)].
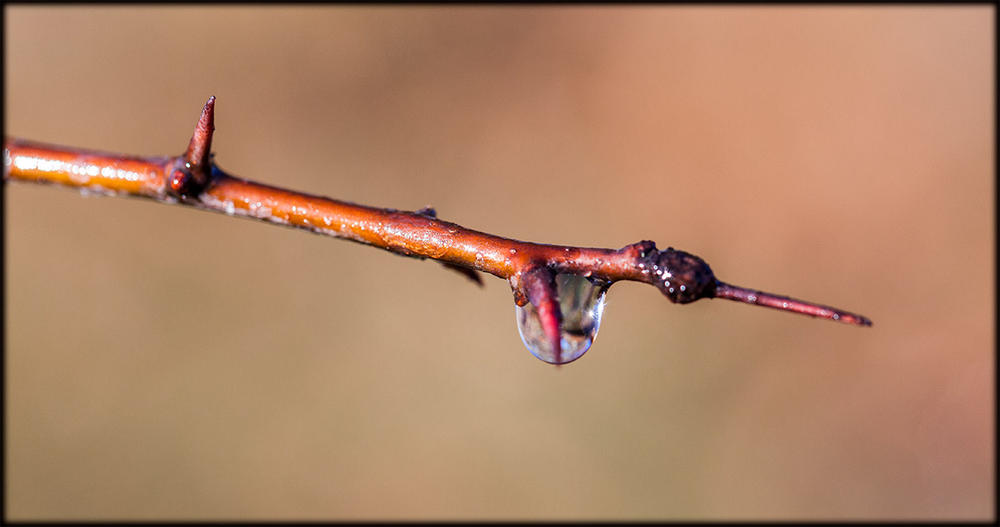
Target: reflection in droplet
[(581, 301)]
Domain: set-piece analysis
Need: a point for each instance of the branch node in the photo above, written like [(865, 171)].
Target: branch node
[(640, 250), (683, 277)]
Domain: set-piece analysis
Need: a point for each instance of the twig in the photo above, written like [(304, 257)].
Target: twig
[(193, 179)]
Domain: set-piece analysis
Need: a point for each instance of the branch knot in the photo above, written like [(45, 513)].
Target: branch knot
[(683, 277)]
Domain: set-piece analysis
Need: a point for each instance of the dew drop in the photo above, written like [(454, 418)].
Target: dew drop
[(582, 304)]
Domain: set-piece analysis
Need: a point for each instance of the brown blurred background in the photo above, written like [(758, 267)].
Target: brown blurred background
[(166, 363)]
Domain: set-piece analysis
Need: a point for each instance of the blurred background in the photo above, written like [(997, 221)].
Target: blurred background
[(166, 363)]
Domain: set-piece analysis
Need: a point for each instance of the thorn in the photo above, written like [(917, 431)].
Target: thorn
[(193, 170), (471, 274), (198, 150), (540, 288)]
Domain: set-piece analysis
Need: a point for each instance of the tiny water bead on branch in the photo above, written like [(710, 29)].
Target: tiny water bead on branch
[(559, 291)]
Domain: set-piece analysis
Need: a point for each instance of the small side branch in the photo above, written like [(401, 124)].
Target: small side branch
[(760, 298), (193, 179)]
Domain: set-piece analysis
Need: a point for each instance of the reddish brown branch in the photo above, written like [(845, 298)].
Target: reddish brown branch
[(193, 179)]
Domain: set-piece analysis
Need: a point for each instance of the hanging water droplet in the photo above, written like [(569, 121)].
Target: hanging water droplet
[(582, 304)]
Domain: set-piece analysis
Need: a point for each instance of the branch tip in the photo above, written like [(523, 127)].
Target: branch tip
[(784, 303)]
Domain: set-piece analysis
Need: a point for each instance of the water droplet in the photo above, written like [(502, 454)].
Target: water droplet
[(582, 304)]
